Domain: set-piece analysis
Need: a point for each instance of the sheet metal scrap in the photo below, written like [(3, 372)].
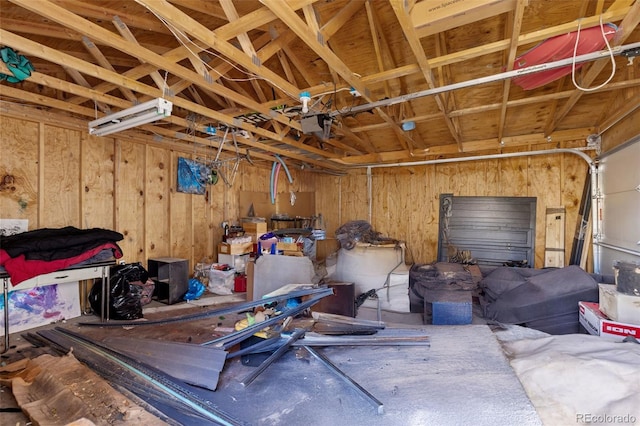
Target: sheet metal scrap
[(163, 391), (241, 307), (183, 361)]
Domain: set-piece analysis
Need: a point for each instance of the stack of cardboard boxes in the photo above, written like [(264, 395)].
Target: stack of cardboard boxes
[(617, 315)]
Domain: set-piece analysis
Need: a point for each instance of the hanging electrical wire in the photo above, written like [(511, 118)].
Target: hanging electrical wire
[(180, 35)]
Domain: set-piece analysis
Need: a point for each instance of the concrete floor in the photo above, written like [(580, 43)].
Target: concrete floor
[(462, 378)]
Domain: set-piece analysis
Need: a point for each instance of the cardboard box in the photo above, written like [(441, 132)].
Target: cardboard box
[(288, 246), (597, 323), (254, 229), (606, 300), (618, 306), (226, 248)]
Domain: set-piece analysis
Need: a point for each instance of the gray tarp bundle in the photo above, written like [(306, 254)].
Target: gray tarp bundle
[(544, 299)]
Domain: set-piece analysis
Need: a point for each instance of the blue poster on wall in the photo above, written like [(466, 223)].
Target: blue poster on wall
[(192, 176)]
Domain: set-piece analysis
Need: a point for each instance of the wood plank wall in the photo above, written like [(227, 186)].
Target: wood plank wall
[(405, 201), (63, 176)]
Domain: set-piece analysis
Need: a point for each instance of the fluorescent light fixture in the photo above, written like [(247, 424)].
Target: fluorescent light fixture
[(144, 113)]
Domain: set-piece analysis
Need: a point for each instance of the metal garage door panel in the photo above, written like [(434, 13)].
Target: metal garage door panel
[(617, 235), (491, 235), (618, 224), (494, 229)]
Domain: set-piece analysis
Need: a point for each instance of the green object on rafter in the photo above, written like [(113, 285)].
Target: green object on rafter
[(19, 66)]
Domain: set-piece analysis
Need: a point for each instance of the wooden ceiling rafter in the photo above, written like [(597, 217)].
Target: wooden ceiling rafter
[(99, 57), (210, 8), (190, 26), (418, 52), (80, 80), (476, 52), (245, 42), (470, 147), (126, 33), (376, 38), (288, 15), (215, 69), (542, 99), (516, 26), (228, 31), (383, 51), (498, 46), (444, 78), (620, 113), (98, 12), (98, 72), (48, 102), (104, 36)]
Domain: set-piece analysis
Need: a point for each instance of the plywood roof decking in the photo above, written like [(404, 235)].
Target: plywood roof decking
[(223, 61)]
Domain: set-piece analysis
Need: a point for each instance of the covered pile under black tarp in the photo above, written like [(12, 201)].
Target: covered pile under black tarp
[(543, 299)]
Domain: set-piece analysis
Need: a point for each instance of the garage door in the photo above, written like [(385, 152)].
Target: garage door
[(618, 207)]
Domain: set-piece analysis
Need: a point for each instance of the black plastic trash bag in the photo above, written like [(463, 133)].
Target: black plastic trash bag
[(124, 298)]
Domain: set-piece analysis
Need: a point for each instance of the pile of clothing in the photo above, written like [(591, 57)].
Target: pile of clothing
[(41, 251)]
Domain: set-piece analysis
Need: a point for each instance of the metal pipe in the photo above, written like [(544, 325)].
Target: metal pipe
[(595, 216), (274, 356), (620, 249), (348, 380), (5, 295), (369, 193), (489, 79), (577, 152)]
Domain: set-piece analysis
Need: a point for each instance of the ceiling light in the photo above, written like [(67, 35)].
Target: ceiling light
[(143, 113), (305, 97), (408, 125)]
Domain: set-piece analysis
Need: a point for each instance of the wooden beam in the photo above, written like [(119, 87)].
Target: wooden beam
[(245, 43), (432, 17), (511, 56), (79, 79), (98, 11), (186, 23), (630, 106), (316, 43), (104, 63), (66, 18), (483, 145), (167, 133), (126, 33), (206, 7), (418, 52), (36, 49), (383, 51)]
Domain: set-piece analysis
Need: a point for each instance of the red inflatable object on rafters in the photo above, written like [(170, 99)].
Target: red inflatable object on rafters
[(557, 48)]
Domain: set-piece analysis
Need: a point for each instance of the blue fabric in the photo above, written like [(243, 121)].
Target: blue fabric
[(196, 289)]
